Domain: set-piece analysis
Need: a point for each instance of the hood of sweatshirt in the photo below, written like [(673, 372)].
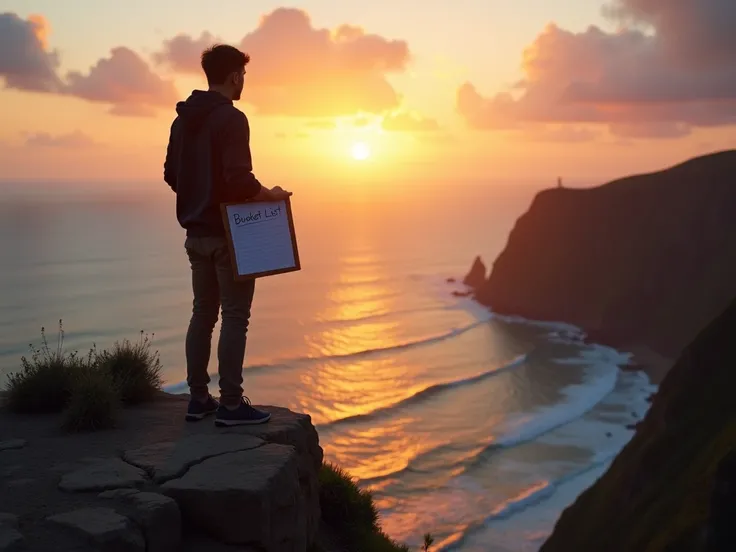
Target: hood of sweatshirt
[(197, 107)]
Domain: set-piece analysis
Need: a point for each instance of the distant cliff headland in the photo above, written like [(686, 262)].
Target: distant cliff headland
[(650, 261), (644, 260)]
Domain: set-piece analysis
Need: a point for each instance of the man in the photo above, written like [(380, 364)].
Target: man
[(208, 162)]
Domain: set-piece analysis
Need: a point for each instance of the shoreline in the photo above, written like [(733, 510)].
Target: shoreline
[(643, 358), (653, 364)]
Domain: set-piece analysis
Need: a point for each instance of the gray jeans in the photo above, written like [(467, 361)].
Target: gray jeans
[(214, 287)]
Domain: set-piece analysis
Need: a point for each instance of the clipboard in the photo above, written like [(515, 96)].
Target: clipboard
[(261, 238)]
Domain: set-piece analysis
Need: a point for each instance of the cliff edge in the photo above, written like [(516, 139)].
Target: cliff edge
[(644, 260), (671, 488)]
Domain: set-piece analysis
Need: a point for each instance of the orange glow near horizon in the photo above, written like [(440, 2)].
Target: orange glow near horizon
[(350, 95)]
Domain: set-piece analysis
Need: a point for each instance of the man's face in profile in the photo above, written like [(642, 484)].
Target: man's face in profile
[(239, 82)]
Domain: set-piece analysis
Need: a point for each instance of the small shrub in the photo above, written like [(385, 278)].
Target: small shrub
[(135, 369), (342, 501), (93, 402), (350, 512), (43, 384)]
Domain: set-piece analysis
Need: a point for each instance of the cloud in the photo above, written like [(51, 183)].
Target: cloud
[(299, 70), (694, 31), (25, 62), (409, 122), (76, 139), (670, 69), (182, 52), (125, 80)]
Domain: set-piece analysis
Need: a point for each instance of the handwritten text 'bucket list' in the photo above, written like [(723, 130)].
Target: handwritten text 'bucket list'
[(256, 216)]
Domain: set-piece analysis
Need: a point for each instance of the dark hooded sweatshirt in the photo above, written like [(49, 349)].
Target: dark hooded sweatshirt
[(208, 161)]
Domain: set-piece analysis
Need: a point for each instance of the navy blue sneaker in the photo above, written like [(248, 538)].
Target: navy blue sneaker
[(198, 410), (245, 414)]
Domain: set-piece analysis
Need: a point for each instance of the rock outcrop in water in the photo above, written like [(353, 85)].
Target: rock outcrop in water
[(645, 260), (673, 486), (477, 275)]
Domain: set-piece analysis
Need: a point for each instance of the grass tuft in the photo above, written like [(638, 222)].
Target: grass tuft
[(89, 389), (351, 514), (135, 368), (43, 384), (93, 402)]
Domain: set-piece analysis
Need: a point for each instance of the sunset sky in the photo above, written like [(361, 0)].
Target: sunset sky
[(469, 89)]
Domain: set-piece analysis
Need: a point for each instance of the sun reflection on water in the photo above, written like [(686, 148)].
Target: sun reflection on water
[(375, 452), (334, 391)]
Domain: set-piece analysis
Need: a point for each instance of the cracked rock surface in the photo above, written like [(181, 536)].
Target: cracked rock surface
[(140, 486), (106, 474), (169, 460)]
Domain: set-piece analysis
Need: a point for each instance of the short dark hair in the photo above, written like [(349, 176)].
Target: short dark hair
[(220, 60)]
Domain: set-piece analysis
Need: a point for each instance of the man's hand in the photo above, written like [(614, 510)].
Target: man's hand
[(277, 193)]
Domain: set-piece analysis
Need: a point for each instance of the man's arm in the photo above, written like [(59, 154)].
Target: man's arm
[(240, 182), (172, 156)]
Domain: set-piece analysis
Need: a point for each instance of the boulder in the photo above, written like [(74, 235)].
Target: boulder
[(103, 475), (157, 515), (103, 528), (290, 428), (247, 498)]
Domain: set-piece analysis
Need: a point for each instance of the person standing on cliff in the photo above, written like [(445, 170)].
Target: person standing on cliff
[(208, 162)]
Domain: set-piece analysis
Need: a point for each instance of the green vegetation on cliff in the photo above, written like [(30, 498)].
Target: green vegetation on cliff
[(656, 495), (88, 389), (350, 514), (644, 260)]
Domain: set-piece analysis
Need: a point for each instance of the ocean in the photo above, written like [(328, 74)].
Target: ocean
[(477, 428)]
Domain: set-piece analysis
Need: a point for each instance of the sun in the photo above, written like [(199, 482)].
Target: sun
[(360, 151)]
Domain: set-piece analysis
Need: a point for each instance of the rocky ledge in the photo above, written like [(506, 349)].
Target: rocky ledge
[(159, 484)]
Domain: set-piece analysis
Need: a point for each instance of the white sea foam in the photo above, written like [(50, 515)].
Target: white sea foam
[(523, 524), (580, 399)]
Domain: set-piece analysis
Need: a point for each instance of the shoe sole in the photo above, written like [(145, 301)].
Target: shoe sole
[(232, 423), (198, 417)]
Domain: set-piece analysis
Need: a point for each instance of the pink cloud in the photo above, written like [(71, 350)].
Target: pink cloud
[(123, 79), (25, 61), (182, 52), (299, 70), (641, 84)]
